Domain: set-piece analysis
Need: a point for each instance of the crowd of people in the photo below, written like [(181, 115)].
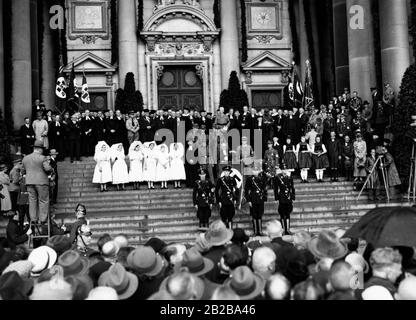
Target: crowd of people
[(222, 264)]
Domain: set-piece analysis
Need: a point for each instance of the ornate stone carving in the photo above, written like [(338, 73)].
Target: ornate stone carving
[(264, 39), (164, 3), (285, 77), (159, 70), (249, 79), (88, 39), (178, 49), (109, 78), (200, 70)]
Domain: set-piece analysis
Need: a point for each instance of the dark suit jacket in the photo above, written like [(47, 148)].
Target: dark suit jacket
[(74, 131), (36, 167)]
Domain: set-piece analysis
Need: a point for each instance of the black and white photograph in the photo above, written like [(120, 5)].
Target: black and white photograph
[(211, 150)]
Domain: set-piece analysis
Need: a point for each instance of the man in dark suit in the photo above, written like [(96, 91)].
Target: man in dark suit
[(87, 127), (57, 137), (145, 124), (334, 154), (284, 192), (36, 168), (100, 127), (111, 129), (27, 136), (187, 119), (74, 139)]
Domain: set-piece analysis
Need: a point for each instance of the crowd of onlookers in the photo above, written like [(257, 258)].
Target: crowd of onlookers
[(221, 264)]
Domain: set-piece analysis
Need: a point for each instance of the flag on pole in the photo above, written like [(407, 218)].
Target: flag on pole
[(85, 95), (60, 89), (297, 90), (308, 99)]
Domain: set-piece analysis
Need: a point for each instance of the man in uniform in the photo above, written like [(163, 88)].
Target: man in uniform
[(225, 193), (203, 198), (256, 195), (284, 192)]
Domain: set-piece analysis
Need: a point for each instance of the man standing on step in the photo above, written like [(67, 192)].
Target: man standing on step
[(334, 154), (225, 193), (36, 168), (203, 198), (256, 196), (284, 192)]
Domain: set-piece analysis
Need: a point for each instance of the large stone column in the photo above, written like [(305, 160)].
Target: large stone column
[(361, 48), (341, 59), (21, 62), (127, 38), (216, 76), (394, 34), (230, 49), (48, 69), (35, 48), (2, 98)]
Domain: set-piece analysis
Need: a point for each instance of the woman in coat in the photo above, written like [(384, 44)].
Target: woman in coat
[(5, 201), (360, 153), (163, 166), (120, 171), (136, 157), (102, 171), (149, 164), (177, 166)]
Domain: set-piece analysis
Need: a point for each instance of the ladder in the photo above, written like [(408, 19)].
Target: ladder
[(411, 193), (38, 232)]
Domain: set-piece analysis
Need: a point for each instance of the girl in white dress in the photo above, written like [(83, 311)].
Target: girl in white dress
[(177, 166), (136, 164), (102, 171), (149, 164), (120, 171), (163, 166)]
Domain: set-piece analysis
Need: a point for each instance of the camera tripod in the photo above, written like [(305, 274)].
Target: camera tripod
[(384, 176), (412, 175)]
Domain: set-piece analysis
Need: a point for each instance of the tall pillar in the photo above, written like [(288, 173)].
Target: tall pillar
[(230, 49), (341, 59), (2, 98), (216, 77), (303, 41), (21, 62), (361, 50), (35, 48), (48, 69), (128, 50), (394, 34)]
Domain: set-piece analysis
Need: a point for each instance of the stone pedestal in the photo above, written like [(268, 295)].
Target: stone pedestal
[(361, 49), (48, 70), (394, 34), (341, 59), (230, 52), (128, 51), (21, 62)]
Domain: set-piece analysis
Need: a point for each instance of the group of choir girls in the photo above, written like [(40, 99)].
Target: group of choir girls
[(305, 156), (148, 162)]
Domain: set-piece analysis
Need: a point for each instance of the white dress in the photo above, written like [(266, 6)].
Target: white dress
[(177, 166), (149, 165), (102, 171), (136, 166), (120, 171), (163, 166)]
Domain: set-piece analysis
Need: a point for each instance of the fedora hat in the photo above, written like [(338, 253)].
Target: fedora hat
[(72, 263), (53, 152), (18, 159), (110, 249), (81, 286), (42, 258), (145, 260), (327, 245), (39, 144), (59, 243), (218, 234), (196, 263), (245, 283), (14, 287), (199, 286), (125, 283)]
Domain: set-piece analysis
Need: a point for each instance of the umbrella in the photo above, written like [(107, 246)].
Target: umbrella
[(386, 227)]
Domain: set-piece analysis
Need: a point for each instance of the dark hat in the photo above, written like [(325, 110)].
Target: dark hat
[(145, 260), (116, 277), (81, 286), (14, 287), (152, 111), (97, 270), (53, 152), (132, 112), (186, 108), (269, 142), (17, 159), (82, 207), (245, 283), (227, 168), (327, 245), (240, 236), (157, 244), (366, 103), (209, 113), (73, 264), (202, 172), (39, 144), (196, 264), (145, 110), (388, 141), (59, 243), (3, 167)]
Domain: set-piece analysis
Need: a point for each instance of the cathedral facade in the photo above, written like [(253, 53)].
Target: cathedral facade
[(182, 52)]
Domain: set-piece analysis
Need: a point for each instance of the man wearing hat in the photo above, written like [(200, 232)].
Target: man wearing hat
[(132, 126), (145, 124), (225, 193), (256, 195), (284, 192), (36, 168), (203, 198)]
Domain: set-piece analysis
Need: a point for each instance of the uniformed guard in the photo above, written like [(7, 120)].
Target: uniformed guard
[(203, 198), (284, 192), (225, 193), (256, 195)]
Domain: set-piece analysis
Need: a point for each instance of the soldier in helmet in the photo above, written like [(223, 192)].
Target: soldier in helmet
[(203, 198), (256, 196), (284, 192), (226, 195)]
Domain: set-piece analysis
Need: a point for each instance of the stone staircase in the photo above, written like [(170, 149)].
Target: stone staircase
[(170, 215)]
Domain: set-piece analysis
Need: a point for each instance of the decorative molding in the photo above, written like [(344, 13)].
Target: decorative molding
[(285, 76), (178, 49), (109, 78), (162, 4), (249, 79), (88, 20), (159, 70), (279, 63), (264, 39), (264, 19), (200, 71)]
